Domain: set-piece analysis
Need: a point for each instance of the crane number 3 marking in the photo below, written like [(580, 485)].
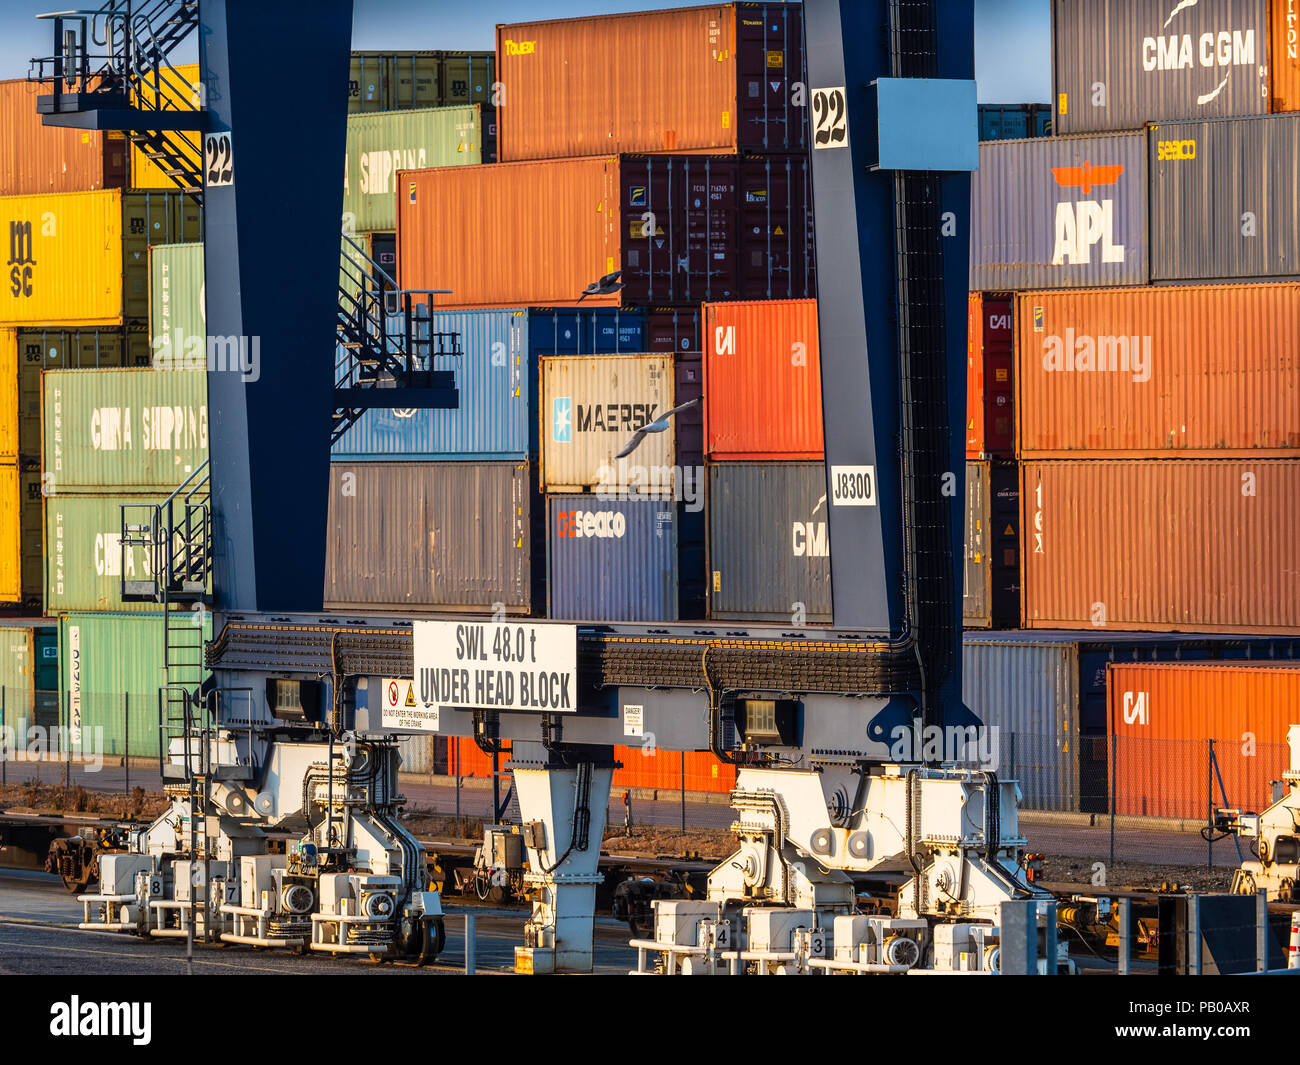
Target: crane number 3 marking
[(831, 129), (219, 160)]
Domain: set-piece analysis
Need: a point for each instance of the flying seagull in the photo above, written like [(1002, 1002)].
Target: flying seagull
[(656, 426), (608, 284)]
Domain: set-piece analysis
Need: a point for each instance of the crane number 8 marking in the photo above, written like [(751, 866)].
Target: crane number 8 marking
[(831, 129)]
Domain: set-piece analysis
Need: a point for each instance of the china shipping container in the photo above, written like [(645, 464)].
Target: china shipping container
[(720, 78), (123, 430), (991, 598), (768, 545), (591, 406), (681, 229), (989, 392), (762, 381), (1162, 716), (81, 258), (1285, 55), (1117, 64), (29, 673), (1060, 212), (177, 313), (611, 559), (1192, 545), (381, 144), (1014, 122), (36, 158), (411, 536), (1154, 371), (177, 88), (1225, 202)]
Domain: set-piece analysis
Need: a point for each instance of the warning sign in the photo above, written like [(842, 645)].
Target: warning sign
[(402, 710), (509, 667)]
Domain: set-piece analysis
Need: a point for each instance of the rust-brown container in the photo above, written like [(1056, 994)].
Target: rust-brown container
[(1168, 545), (35, 158), (1127, 372)]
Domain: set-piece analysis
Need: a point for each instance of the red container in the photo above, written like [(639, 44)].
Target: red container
[(35, 158), (762, 381), (989, 357), (1162, 716)]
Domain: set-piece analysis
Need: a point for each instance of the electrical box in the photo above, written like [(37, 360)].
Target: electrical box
[(255, 872)]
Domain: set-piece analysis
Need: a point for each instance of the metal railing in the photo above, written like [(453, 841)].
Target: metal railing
[(178, 553)]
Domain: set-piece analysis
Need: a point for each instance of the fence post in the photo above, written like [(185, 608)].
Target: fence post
[(683, 770), (1013, 757), (66, 734), (471, 961), (1114, 761), (4, 750), (1209, 807), (1261, 930), (1125, 934), (126, 728)]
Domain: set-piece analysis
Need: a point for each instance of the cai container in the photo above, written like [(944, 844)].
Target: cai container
[(989, 391)]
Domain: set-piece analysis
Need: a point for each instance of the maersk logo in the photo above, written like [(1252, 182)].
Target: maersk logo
[(1082, 353), (1081, 225), (562, 420)]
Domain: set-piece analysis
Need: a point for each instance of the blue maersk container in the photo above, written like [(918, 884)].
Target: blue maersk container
[(611, 560)]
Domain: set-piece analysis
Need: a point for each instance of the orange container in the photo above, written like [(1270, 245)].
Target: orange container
[(1170, 545), (663, 771), (465, 759), (1129, 372), (1162, 716), (1285, 55), (35, 158), (762, 381), (988, 377)]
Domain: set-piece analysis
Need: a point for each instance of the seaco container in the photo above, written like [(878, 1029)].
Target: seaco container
[(177, 88), (413, 536), (768, 546), (1059, 212), (177, 311), (81, 258), (592, 406), (379, 145), (719, 78), (989, 355), (1117, 64), (991, 597), (1150, 371), (611, 559), (36, 158), (1162, 716), (762, 381), (1193, 545), (123, 430), (1225, 202)]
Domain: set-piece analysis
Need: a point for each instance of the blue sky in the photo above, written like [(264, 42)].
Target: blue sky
[(1012, 61)]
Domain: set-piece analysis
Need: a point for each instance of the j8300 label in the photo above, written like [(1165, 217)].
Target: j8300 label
[(853, 486)]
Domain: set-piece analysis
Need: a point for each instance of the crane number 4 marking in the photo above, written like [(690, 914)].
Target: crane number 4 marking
[(831, 129), (218, 160)]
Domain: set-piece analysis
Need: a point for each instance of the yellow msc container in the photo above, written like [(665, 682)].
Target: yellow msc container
[(145, 173), (79, 259), (11, 536), (8, 397)]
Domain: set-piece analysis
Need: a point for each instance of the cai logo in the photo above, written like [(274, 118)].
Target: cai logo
[(562, 420)]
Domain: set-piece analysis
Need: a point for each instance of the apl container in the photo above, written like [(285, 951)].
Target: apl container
[(178, 88), (432, 536), (36, 158), (992, 581), (1192, 545), (612, 559), (1117, 64), (1224, 199), (769, 549), (1059, 212), (989, 391), (1186, 370), (593, 85), (762, 381)]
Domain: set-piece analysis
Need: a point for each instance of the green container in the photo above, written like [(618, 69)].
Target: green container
[(28, 664), (177, 319), (381, 144), (110, 671), (114, 431)]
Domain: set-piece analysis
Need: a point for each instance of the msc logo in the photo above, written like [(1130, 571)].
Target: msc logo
[(1136, 708), (591, 524), (521, 47), (562, 420), (21, 258), (809, 540), (1085, 223), (1175, 150)]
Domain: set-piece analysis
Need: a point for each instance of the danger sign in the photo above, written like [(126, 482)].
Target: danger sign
[(400, 710)]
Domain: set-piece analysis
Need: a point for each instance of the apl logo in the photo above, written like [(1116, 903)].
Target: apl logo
[(562, 420), (21, 258), (1085, 223), (1136, 708)]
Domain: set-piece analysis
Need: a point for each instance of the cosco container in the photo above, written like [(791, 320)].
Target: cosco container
[(80, 258), (432, 536), (1193, 545), (1225, 202), (720, 78), (769, 550), (992, 584), (177, 311), (989, 392), (1059, 212), (612, 559), (177, 88), (1157, 371), (1117, 64), (762, 381), (123, 430), (36, 158), (592, 407)]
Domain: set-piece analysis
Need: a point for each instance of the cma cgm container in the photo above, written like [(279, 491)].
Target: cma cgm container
[(538, 234), (1117, 64), (1225, 202), (1060, 212), (611, 559), (720, 78), (762, 381), (379, 145), (592, 406), (177, 314), (1191, 370), (1193, 545), (989, 355), (431, 536), (769, 550), (1163, 714), (36, 158), (123, 430), (178, 88), (80, 258), (991, 598)]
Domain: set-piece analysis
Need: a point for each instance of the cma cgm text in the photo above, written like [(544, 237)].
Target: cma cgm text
[(1226, 48)]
